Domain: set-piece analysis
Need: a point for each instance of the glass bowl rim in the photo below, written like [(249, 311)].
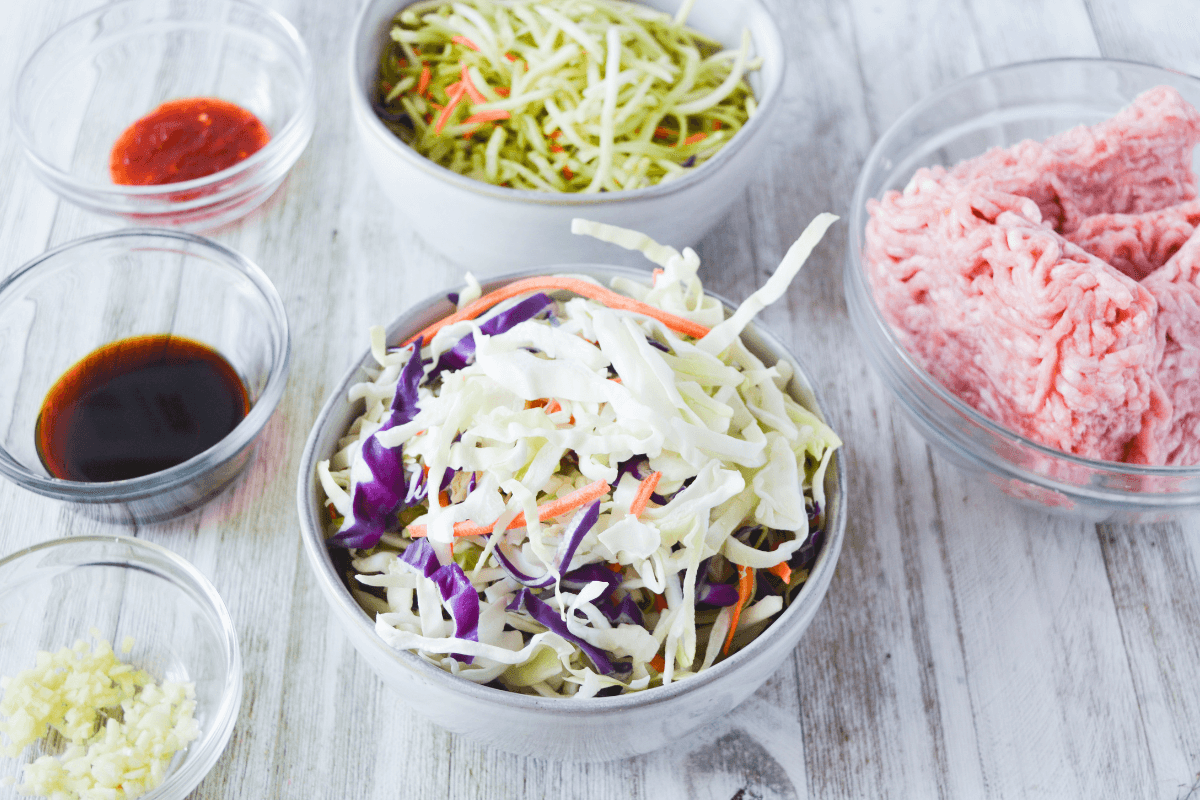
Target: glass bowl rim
[(856, 266), (278, 148), (243, 433), (215, 736)]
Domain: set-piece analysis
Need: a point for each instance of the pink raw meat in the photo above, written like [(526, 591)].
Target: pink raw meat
[(1021, 324), (1053, 337), (1138, 244), (1174, 436), (1140, 160)]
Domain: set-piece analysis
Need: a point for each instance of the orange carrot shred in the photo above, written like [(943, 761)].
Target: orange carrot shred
[(465, 42), (782, 570), (472, 90), (615, 567), (745, 589), (660, 603), (549, 510), (567, 173), (663, 133), (556, 148), (716, 126), (510, 57), (503, 91), (456, 91), (576, 285), (658, 663), (426, 76), (696, 137), (645, 489), (488, 116), (553, 406)]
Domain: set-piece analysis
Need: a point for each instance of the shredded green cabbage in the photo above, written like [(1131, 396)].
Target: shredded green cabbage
[(561, 95), (557, 402)]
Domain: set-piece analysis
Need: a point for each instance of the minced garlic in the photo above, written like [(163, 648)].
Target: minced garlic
[(121, 727)]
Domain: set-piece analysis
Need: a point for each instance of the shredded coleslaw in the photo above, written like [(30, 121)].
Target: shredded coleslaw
[(550, 495), (561, 95)]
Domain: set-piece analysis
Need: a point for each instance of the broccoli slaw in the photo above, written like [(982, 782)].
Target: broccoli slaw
[(566, 490), (561, 95)]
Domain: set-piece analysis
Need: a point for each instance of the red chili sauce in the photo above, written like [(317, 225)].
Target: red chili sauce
[(185, 139)]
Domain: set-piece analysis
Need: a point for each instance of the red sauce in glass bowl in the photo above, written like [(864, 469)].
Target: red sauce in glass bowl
[(185, 139)]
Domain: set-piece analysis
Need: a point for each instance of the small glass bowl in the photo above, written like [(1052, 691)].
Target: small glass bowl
[(515, 228), (58, 592), (998, 108), (594, 728), (87, 293), (108, 68)]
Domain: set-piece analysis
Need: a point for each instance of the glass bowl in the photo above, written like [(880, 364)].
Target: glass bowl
[(997, 108), (591, 729), (57, 592), (87, 293), (515, 228), (99, 73)]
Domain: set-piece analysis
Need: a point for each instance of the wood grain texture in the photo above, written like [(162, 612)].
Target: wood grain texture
[(968, 647)]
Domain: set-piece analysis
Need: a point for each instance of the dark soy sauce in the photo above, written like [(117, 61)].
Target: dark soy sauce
[(137, 406)]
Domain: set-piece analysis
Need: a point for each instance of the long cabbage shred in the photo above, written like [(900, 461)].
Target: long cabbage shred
[(561, 95), (515, 416)]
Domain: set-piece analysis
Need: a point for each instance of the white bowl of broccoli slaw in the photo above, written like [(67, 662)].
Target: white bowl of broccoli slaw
[(549, 687), (494, 228)]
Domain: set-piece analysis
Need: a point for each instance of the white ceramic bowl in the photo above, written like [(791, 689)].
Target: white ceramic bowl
[(513, 228), (101, 72), (55, 593), (594, 729)]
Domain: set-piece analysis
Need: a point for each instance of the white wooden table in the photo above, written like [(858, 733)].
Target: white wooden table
[(967, 648)]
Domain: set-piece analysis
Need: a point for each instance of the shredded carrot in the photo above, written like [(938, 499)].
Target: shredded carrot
[(553, 406), (658, 663), (456, 91), (664, 133), (426, 76), (557, 148), (465, 42), (782, 570), (615, 567), (444, 499), (716, 125), (554, 508), (567, 173), (503, 91), (696, 137), (615, 380), (539, 403), (557, 133), (472, 90), (660, 603), (645, 489), (488, 116), (745, 590), (510, 57), (576, 285)]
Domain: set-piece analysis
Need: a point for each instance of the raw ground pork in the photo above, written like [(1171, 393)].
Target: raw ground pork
[(1055, 286)]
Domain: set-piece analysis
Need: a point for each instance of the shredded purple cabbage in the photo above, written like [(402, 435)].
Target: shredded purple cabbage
[(580, 524), (463, 351), (376, 502), (453, 585), (525, 600)]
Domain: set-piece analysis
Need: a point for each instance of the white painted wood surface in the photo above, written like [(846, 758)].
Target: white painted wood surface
[(967, 648)]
